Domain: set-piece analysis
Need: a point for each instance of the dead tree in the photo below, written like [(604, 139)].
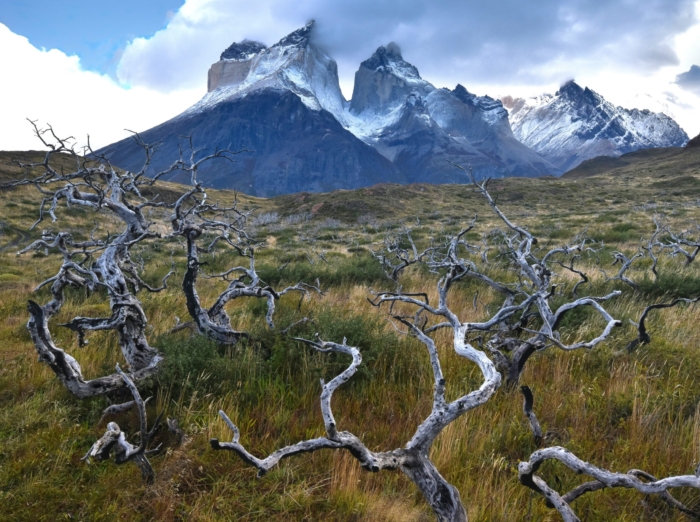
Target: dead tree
[(643, 336), (114, 440), (684, 244), (625, 264), (633, 479), (195, 220), (513, 341), (655, 243), (96, 264), (421, 318)]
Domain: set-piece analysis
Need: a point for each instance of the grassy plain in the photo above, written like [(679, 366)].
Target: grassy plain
[(615, 409)]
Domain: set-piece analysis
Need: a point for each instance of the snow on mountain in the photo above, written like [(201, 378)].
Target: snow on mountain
[(277, 104), (423, 129), (577, 124), (283, 104), (292, 64)]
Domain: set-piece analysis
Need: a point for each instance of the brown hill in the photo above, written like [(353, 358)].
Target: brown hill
[(647, 162), (695, 142)]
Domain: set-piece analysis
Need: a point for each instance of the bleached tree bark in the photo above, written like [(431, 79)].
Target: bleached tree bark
[(114, 439), (421, 318), (97, 264), (602, 479), (195, 219)]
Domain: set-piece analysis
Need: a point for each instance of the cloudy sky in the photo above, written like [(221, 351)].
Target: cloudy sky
[(99, 68)]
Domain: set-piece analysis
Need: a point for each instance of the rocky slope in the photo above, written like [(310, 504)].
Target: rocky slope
[(422, 129), (283, 104), (277, 103), (577, 124)]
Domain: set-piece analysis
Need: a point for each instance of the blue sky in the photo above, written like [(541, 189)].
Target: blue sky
[(100, 67), (97, 31)]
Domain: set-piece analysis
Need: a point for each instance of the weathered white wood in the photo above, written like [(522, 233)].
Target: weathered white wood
[(603, 478), (115, 440), (192, 219)]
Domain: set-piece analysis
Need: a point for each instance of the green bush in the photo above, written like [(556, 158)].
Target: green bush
[(187, 361), (671, 285)]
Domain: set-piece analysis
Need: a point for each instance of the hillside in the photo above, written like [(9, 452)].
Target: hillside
[(658, 163), (617, 409)]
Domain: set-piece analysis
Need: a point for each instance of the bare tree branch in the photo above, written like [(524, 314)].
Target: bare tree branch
[(603, 478)]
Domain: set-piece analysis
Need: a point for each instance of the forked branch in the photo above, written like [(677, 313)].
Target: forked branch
[(633, 479), (115, 442)]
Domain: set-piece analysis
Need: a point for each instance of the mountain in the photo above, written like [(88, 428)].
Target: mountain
[(283, 105), (422, 129), (277, 103), (577, 124)]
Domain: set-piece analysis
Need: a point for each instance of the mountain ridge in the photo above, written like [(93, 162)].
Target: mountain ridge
[(283, 103), (576, 124)]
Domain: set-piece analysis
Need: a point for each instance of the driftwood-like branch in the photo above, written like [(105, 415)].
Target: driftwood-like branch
[(412, 459), (633, 479), (523, 302), (520, 301), (194, 219), (114, 440), (625, 264), (643, 336), (98, 264), (528, 401), (93, 265)]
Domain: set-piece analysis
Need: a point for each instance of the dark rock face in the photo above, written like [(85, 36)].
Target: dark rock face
[(695, 142), (423, 130), (283, 104), (243, 50), (293, 148), (384, 80), (435, 132)]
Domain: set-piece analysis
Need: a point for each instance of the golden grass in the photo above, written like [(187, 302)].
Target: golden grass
[(615, 409)]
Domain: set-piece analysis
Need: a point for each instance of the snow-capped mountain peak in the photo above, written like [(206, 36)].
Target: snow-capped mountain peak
[(243, 51), (577, 123), (384, 80), (299, 38), (292, 64), (388, 59)]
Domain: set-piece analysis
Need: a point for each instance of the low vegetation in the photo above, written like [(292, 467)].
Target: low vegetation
[(615, 408)]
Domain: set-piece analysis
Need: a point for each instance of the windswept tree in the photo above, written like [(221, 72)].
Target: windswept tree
[(205, 226), (97, 264), (483, 343)]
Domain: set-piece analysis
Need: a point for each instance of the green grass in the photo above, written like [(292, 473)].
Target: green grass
[(615, 409)]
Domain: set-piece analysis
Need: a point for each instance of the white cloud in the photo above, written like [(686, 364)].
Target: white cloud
[(507, 41), (628, 50), (51, 87)]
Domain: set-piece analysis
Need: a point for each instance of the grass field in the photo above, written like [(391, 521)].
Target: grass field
[(615, 409)]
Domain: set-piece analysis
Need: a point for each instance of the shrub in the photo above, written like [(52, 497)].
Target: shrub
[(670, 284)]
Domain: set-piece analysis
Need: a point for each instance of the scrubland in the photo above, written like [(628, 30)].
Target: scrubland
[(616, 409)]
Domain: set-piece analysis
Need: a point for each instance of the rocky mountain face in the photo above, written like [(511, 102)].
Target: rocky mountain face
[(423, 130), (283, 106), (577, 124), (276, 103), (695, 142)]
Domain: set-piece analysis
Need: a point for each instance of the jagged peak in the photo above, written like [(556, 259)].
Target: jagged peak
[(242, 51), (299, 38), (570, 88), (576, 94), (388, 58), (462, 94)]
